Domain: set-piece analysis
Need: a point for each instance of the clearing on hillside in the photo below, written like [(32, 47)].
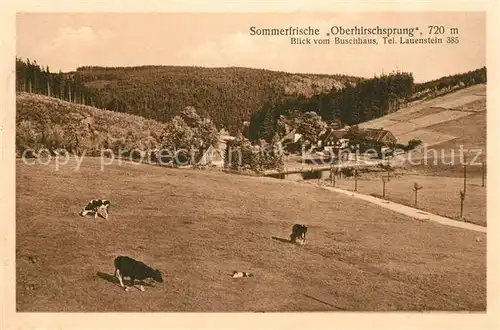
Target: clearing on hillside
[(198, 227), (443, 122)]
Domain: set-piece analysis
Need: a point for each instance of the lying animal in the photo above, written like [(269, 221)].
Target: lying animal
[(96, 206), (298, 232), (128, 267), (237, 274)]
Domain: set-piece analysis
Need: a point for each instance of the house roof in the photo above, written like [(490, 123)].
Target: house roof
[(334, 124), (333, 135), (377, 134)]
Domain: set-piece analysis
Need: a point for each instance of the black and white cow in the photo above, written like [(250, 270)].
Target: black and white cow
[(135, 270), (298, 232), (96, 206)]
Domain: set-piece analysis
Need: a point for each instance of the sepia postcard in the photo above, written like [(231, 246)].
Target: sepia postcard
[(197, 165)]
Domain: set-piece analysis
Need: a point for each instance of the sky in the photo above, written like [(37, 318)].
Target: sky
[(65, 41)]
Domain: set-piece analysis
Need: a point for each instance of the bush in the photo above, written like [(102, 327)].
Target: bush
[(312, 175), (412, 144), (347, 171), (400, 146)]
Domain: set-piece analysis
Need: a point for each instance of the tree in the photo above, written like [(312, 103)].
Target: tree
[(178, 136), (355, 135), (413, 143), (271, 157), (311, 126), (462, 197), (240, 154), (192, 133), (288, 122), (416, 188), (207, 133), (190, 116)]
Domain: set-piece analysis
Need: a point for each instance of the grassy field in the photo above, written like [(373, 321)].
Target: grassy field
[(443, 122), (197, 227), (470, 132), (439, 195), (45, 121)]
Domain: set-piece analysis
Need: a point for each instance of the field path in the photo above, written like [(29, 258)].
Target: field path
[(409, 211)]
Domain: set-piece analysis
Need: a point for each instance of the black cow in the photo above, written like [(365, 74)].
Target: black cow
[(128, 267), (95, 206), (298, 231)]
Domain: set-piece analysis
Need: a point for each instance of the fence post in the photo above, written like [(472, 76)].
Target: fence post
[(416, 188), (462, 197), (383, 187), (331, 175), (483, 170), (355, 179), (388, 170), (465, 174)]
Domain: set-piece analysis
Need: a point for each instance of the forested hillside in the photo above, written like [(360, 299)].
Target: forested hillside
[(228, 95), (232, 96), (448, 84), (47, 122)]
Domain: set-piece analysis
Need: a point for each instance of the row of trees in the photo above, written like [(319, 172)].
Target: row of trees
[(33, 78), (462, 80)]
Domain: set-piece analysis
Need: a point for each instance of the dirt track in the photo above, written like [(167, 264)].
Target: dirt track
[(410, 211)]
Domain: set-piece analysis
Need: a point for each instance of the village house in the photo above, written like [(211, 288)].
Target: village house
[(380, 137), (291, 141), (331, 137), (334, 139), (216, 156)]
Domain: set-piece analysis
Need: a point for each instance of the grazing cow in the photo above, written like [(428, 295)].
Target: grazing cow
[(298, 231), (128, 267), (95, 206)]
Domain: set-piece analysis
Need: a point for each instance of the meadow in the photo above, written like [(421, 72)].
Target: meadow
[(199, 226), (440, 194), (443, 122), (445, 125)]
